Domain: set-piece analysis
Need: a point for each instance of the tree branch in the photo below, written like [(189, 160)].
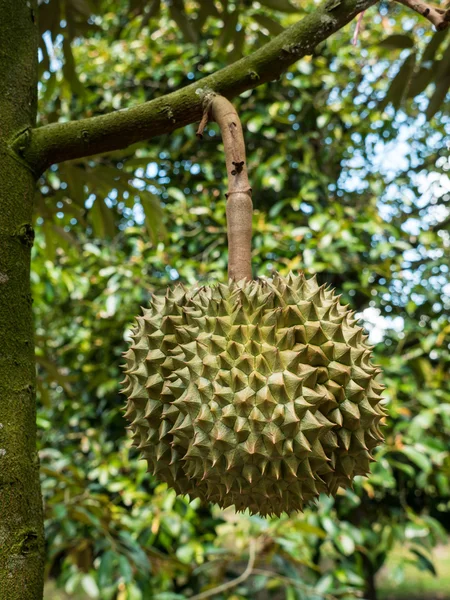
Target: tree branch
[(438, 16), (59, 142)]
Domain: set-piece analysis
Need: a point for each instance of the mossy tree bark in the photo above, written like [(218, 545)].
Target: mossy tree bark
[(21, 528)]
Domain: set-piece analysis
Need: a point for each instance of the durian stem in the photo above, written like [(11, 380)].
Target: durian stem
[(239, 196)]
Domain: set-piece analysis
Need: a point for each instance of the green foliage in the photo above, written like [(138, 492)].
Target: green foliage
[(349, 181), (418, 584)]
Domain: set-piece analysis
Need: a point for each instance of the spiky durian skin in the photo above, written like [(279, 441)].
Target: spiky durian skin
[(259, 394)]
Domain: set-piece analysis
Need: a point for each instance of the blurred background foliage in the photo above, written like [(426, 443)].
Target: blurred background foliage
[(348, 162)]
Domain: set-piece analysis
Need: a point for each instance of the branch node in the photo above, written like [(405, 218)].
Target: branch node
[(18, 148), (247, 191), (21, 142)]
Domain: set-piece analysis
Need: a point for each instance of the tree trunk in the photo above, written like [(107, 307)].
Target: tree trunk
[(370, 591), (21, 524)]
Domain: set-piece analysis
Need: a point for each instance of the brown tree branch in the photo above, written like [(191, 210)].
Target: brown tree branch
[(59, 142), (239, 200), (438, 16)]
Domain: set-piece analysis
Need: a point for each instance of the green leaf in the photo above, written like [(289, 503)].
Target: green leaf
[(345, 544), (438, 97), (74, 176), (89, 585), (306, 527), (106, 568), (125, 568), (185, 554), (433, 45), (69, 69), (329, 525), (429, 67), (420, 81), (423, 368), (443, 484), (177, 194), (408, 469), (153, 215), (134, 592), (325, 584), (397, 41), (418, 458), (423, 562), (443, 69), (437, 529), (399, 85), (101, 218), (72, 583)]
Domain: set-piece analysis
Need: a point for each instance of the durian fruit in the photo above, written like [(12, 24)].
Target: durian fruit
[(258, 394)]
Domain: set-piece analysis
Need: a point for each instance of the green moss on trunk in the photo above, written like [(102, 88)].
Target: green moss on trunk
[(21, 526)]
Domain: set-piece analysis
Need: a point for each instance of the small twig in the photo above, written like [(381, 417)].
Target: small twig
[(203, 123), (231, 584), (358, 28), (206, 114), (438, 16)]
